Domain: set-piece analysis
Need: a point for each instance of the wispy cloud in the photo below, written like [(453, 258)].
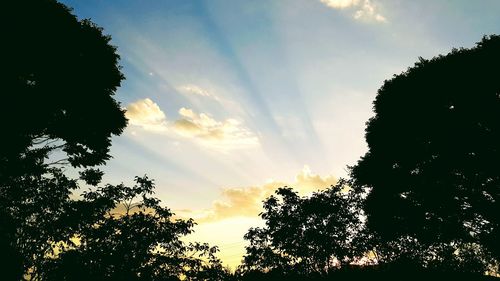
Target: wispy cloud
[(192, 89), (199, 127), (364, 9), (229, 133), (340, 4), (247, 201), (198, 95)]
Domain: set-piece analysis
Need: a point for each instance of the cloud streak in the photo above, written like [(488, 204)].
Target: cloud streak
[(201, 128), (191, 89), (364, 9), (340, 4)]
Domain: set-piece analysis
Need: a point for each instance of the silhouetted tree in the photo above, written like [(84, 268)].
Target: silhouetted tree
[(308, 235), (434, 145), (135, 239), (59, 77), (41, 214)]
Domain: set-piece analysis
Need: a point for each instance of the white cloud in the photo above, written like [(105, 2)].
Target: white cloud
[(198, 95), (340, 4), (247, 201), (146, 114), (196, 90), (200, 127), (364, 9), (225, 134), (368, 11)]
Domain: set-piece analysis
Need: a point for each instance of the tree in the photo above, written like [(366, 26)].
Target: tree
[(309, 235), (61, 75), (433, 153), (41, 214), (134, 239), (59, 78)]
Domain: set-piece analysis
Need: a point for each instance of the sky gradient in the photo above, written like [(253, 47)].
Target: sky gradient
[(229, 100)]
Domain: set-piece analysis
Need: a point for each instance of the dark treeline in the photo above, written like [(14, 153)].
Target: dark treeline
[(423, 202)]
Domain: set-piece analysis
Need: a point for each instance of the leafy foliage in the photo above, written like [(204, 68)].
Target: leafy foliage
[(433, 145), (308, 234), (59, 80), (135, 239), (37, 212), (62, 75)]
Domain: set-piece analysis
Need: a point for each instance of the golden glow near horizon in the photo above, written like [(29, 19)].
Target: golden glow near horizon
[(237, 209)]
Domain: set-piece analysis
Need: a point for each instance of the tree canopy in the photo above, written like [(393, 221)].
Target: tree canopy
[(59, 78), (433, 153), (58, 81), (134, 238), (307, 235)]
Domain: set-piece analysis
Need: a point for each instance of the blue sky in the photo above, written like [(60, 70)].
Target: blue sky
[(230, 99)]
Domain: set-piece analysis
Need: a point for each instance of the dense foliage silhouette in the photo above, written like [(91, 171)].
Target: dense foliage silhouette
[(363, 273), (308, 235), (432, 161), (134, 239), (59, 78), (62, 75)]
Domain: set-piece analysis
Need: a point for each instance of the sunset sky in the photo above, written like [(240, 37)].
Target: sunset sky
[(229, 100)]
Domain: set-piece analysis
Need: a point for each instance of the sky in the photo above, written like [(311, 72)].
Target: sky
[(229, 100)]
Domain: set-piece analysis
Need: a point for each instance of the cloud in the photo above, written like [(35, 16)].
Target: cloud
[(340, 4), (199, 127), (237, 210), (368, 11), (196, 90), (364, 9), (146, 114), (224, 134), (247, 201)]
